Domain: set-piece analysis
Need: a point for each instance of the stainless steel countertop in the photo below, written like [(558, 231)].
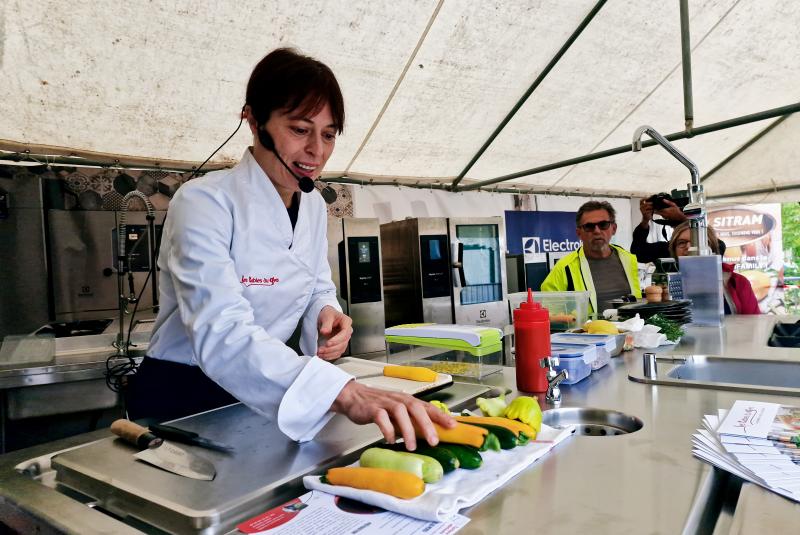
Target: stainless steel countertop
[(645, 482), (77, 358)]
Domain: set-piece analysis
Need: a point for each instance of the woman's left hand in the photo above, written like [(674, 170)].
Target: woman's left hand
[(336, 328)]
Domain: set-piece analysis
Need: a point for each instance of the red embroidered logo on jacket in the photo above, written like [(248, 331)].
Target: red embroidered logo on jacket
[(249, 280)]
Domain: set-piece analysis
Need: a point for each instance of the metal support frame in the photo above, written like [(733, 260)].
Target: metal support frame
[(781, 112), (539, 79), (761, 191), (686, 63), (729, 123), (531, 190), (21, 152)]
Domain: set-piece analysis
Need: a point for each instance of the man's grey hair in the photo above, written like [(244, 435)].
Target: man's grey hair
[(590, 206)]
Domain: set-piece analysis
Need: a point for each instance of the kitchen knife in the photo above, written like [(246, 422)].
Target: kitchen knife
[(162, 454), (169, 432)]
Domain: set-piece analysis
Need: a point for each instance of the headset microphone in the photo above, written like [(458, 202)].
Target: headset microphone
[(327, 192), (306, 184)]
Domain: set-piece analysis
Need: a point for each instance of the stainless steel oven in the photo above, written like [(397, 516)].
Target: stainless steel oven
[(82, 249), (354, 254), (445, 270)]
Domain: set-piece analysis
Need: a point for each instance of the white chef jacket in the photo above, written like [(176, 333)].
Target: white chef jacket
[(235, 281)]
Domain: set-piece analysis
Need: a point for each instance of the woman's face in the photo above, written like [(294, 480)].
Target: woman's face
[(682, 243), (304, 142)]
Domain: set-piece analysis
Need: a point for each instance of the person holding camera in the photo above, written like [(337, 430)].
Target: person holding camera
[(672, 215)]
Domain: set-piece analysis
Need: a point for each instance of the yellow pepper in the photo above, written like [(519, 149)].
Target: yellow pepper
[(525, 409)]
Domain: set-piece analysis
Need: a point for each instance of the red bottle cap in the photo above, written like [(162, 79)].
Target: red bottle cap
[(531, 311)]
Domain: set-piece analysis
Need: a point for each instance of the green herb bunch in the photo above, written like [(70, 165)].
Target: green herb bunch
[(671, 329)]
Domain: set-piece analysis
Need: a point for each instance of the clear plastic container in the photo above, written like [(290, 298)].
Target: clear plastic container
[(606, 345), (458, 362), (448, 355), (573, 358), (568, 310)]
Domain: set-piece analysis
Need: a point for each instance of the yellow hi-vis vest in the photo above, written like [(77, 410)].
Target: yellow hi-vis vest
[(572, 273)]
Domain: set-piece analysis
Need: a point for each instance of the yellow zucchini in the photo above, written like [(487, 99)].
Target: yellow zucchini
[(511, 425), (398, 484), (412, 373), (468, 435)]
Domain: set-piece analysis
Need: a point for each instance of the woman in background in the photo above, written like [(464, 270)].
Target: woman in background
[(739, 296)]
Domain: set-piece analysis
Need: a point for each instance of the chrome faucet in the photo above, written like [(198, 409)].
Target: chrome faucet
[(124, 264), (554, 379), (695, 211)]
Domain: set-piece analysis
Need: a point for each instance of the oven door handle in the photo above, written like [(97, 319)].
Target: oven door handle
[(458, 265)]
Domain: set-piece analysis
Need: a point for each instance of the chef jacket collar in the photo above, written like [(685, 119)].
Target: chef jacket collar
[(280, 217)]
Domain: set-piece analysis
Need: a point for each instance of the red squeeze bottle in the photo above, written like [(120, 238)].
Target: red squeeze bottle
[(532, 338)]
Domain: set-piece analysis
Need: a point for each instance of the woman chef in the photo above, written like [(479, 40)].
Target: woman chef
[(243, 261)]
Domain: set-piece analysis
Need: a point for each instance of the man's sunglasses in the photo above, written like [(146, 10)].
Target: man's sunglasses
[(589, 227)]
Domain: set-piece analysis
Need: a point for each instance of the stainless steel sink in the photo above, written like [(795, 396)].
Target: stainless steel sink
[(593, 422), (743, 375)]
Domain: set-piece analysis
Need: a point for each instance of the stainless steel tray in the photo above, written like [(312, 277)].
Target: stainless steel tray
[(265, 470)]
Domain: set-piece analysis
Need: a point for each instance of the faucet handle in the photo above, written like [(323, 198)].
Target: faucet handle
[(553, 394), (549, 362)]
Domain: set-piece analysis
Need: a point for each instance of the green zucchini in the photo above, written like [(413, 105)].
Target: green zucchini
[(391, 460), (508, 439), (447, 460), (468, 457)]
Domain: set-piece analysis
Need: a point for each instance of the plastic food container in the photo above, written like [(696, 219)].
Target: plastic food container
[(568, 310), (460, 350), (607, 345), (575, 358)]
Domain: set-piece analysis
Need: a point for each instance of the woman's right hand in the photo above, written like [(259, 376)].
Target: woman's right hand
[(391, 412)]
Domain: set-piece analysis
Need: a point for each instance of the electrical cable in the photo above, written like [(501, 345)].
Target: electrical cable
[(115, 374)]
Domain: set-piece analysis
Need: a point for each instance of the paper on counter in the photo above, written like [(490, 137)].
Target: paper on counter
[(749, 419), (736, 441), (461, 488), (319, 512)]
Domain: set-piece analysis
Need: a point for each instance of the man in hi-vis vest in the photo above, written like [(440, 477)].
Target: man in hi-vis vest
[(607, 271)]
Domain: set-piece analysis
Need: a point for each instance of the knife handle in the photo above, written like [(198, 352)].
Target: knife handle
[(134, 434)]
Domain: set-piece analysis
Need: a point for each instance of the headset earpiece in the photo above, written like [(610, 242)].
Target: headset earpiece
[(265, 138)]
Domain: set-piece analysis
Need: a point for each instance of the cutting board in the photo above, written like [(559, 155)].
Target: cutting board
[(362, 368)]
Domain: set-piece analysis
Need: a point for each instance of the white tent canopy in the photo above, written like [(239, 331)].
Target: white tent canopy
[(426, 82)]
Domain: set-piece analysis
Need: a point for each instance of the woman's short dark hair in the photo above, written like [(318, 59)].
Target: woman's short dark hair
[(287, 80), (591, 206)]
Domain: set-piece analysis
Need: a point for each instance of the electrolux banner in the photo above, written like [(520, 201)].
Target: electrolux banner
[(540, 239)]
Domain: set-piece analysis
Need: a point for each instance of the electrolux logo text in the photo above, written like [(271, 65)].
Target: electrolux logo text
[(535, 248), (536, 245)]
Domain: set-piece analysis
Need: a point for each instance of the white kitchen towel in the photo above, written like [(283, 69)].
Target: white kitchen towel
[(460, 488)]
